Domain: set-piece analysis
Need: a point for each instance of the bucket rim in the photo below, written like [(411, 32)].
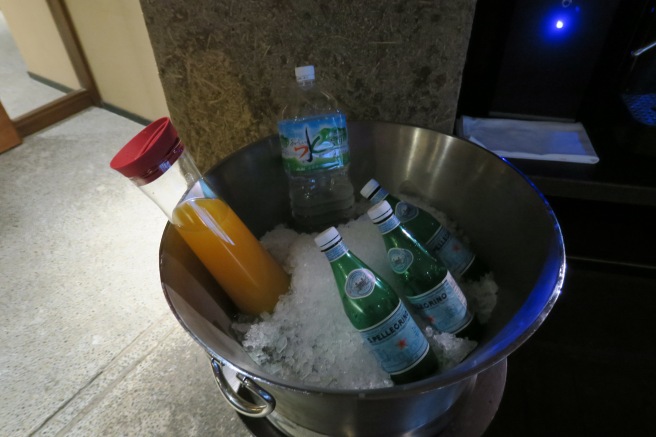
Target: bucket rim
[(459, 373)]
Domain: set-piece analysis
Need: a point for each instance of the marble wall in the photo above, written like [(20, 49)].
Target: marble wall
[(225, 65)]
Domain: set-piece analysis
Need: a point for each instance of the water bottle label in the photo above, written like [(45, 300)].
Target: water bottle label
[(314, 143), (444, 306), (397, 341), (405, 211), (451, 251), (359, 283), (400, 259)]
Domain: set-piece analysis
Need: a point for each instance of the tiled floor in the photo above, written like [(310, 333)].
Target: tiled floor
[(88, 343), (89, 346)]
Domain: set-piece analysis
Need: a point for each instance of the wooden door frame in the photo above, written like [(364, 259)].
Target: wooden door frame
[(9, 136), (73, 102)]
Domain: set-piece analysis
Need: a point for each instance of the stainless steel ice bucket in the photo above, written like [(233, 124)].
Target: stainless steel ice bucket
[(510, 224)]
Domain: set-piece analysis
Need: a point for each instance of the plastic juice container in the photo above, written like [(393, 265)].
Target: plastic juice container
[(231, 253), (156, 161)]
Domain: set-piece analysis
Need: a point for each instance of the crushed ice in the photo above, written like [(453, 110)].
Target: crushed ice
[(308, 339)]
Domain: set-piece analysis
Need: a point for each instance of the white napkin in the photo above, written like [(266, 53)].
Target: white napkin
[(542, 140)]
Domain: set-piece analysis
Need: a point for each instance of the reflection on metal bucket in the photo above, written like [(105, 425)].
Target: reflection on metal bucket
[(510, 225)]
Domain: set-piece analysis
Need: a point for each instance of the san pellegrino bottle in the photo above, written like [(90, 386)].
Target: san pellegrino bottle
[(457, 257), (315, 152), (429, 286), (378, 313)]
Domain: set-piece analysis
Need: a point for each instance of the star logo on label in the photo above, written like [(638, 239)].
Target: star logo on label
[(402, 344), (456, 247)]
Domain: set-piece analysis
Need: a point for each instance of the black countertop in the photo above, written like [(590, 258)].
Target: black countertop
[(622, 175), (589, 369)]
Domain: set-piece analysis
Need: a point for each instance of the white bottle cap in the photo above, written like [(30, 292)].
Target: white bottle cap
[(369, 188), (327, 238), (379, 211), (304, 73)]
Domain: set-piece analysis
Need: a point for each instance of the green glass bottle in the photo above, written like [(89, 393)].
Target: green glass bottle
[(376, 311), (429, 286), (460, 261)]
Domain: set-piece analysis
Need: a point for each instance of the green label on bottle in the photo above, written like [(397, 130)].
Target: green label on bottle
[(359, 283), (397, 341), (314, 143), (400, 259)]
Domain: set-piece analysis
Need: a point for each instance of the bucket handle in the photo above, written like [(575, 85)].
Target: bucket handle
[(262, 409)]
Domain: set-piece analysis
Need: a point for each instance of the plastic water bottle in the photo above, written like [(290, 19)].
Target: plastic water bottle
[(315, 152), (378, 313), (428, 285)]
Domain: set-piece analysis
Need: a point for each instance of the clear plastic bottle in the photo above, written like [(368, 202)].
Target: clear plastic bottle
[(378, 313), (315, 152), (156, 161)]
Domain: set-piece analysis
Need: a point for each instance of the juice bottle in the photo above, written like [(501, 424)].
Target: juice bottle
[(156, 161), (231, 253)]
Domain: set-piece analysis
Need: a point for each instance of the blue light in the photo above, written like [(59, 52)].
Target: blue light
[(560, 25)]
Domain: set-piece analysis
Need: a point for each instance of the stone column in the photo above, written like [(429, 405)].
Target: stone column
[(225, 64)]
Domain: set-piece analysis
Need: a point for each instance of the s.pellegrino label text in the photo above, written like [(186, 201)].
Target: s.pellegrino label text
[(397, 341), (444, 306)]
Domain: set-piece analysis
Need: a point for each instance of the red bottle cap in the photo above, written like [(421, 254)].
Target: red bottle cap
[(150, 153)]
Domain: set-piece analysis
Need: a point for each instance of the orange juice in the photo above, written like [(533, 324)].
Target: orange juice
[(247, 272)]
